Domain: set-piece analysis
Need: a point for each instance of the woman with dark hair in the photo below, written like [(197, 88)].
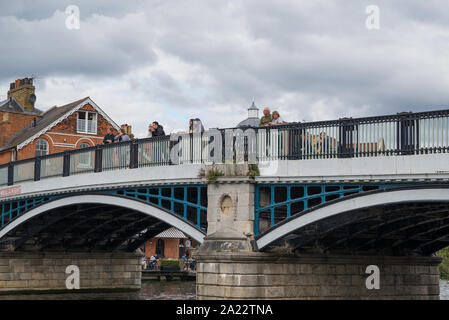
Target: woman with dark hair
[(158, 129)]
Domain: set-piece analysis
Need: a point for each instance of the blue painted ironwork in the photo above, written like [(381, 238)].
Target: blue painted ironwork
[(187, 201), (281, 201), (15, 208), (176, 199)]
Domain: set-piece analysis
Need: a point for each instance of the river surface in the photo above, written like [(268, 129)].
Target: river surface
[(151, 290)]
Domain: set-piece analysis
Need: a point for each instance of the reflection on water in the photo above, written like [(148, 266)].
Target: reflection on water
[(444, 289), (151, 290)]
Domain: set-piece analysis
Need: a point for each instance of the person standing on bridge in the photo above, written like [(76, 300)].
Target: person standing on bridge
[(150, 130), (122, 136), (266, 119), (276, 119), (109, 137), (158, 130)]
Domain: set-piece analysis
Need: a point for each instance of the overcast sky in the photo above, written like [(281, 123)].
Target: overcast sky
[(173, 60)]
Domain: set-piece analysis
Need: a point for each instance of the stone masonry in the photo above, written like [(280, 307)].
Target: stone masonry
[(256, 275), (229, 268), (240, 216), (27, 272)]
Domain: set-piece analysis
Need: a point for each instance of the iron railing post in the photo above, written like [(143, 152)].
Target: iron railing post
[(10, 174), (134, 154), (98, 158), (37, 169), (407, 133), (347, 128), (66, 164)]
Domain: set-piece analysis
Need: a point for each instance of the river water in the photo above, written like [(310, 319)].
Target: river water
[(151, 290)]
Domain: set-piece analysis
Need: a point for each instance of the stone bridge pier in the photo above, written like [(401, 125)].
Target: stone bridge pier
[(50, 271), (231, 267)]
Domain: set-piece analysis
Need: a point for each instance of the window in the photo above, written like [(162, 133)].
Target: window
[(41, 147), (87, 122), (84, 157), (160, 247)]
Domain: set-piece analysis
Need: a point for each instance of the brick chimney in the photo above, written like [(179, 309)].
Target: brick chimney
[(127, 128), (23, 91)]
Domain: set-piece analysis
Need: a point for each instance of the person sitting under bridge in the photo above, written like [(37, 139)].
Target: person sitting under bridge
[(152, 263)]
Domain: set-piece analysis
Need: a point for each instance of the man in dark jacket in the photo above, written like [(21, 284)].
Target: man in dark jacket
[(109, 137), (158, 130)]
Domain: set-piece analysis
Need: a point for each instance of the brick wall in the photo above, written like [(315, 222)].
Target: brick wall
[(11, 123), (171, 247), (46, 271), (22, 95)]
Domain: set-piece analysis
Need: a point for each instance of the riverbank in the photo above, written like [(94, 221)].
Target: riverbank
[(444, 266), (151, 290)]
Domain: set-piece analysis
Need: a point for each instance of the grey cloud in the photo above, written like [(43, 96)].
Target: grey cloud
[(37, 10), (103, 46), (292, 55)]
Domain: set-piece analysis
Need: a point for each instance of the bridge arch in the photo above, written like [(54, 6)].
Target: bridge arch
[(406, 216), (149, 219)]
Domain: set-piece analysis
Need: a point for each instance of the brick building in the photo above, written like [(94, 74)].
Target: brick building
[(26, 132), (171, 243)]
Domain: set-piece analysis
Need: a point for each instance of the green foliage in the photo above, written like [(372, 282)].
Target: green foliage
[(444, 266), (213, 174), (253, 170), (169, 263)]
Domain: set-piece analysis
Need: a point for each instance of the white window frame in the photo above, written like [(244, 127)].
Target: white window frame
[(48, 147), (86, 124)]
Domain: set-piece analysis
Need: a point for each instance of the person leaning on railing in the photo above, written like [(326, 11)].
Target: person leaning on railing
[(276, 119), (122, 136), (266, 119), (158, 130), (150, 130), (109, 137)]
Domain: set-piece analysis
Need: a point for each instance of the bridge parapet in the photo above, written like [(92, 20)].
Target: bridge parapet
[(406, 135)]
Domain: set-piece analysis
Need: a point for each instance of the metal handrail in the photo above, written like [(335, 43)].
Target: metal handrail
[(388, 135)]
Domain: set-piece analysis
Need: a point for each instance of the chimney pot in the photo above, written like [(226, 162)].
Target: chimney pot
[(17, 83)]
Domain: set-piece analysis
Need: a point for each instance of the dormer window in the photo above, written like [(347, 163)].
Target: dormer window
[(87, 122)]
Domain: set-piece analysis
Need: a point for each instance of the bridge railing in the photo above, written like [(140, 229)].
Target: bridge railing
[(400, 134)]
